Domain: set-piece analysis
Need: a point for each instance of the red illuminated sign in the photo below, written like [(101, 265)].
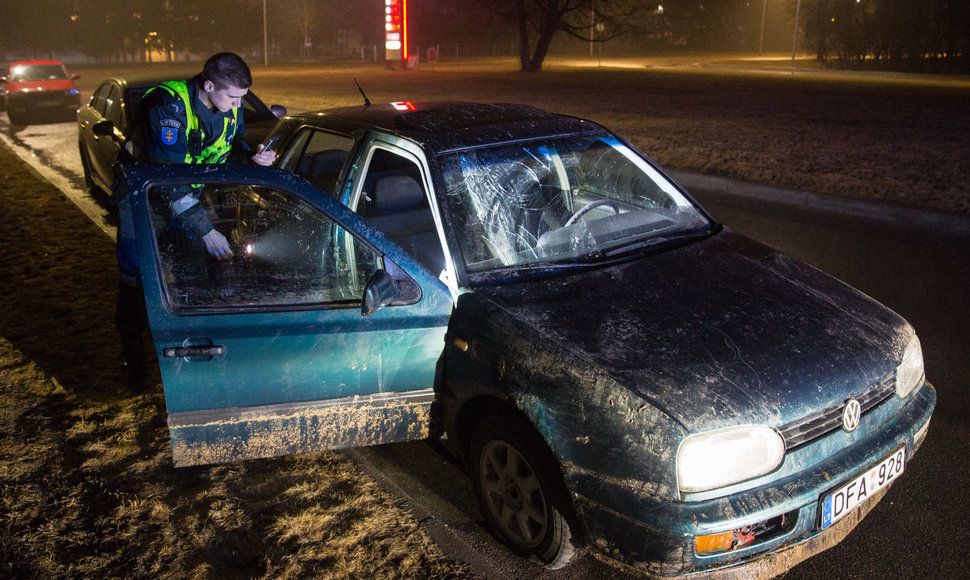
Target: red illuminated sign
[(396, 29)]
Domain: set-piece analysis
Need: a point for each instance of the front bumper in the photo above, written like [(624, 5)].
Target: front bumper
[(43, 101), (660, 541)]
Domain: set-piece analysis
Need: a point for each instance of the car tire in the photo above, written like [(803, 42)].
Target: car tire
[(16, 118), (521, 491)]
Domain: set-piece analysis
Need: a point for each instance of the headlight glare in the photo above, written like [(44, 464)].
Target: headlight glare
[(909, 373), (720, 458)]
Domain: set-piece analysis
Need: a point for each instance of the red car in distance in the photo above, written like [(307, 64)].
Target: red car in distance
[(40, 90)]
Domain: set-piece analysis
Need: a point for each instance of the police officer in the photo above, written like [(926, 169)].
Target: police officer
[(194, 121), (200, 121)]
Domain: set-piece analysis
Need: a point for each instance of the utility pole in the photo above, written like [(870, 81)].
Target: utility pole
[(265, 49), (764, 10)]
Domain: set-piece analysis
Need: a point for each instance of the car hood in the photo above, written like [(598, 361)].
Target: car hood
[(721, 332), (54, 85)]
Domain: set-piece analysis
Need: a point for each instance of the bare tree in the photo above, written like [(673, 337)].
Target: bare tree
[(913, 35), (538, 21), (302, 16)]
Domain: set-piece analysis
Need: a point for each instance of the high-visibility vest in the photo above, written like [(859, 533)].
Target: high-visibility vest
[(219, 149)]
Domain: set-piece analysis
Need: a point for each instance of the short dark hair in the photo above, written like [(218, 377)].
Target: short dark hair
[(227, 68)]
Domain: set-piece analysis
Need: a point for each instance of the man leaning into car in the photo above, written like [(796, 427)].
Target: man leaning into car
[(194, 121)]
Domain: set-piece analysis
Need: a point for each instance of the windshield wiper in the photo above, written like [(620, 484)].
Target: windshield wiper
[(649, 243), (547, 265), (598, 258)]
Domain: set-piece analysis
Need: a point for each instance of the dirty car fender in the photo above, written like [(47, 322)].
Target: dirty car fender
[(594, 427)]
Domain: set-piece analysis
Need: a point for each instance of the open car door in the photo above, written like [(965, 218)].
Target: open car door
[(319, 333)]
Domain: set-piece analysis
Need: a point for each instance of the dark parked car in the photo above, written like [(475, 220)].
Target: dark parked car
[(620, 371), (39, 90), (104, 123)]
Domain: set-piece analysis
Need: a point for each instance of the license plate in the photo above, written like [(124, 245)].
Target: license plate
[(842, 501)]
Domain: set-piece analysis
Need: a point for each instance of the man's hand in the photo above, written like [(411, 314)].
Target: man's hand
[(264, 157), (217, 245)]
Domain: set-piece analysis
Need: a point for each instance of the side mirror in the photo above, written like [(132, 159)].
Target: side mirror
[(103, 128), (75, 76), (279, 111), (379, 292)]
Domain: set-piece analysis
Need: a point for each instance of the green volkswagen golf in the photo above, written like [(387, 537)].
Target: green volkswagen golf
[(621, 373)]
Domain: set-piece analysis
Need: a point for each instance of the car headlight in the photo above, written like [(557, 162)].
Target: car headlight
[(909, 373), (720, 458)]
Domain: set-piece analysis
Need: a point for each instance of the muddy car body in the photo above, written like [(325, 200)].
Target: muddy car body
[(620, 371)]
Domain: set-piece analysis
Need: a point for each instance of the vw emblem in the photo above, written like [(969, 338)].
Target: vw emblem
[(850, 415)]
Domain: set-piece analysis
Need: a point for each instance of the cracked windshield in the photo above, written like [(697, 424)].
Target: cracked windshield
[(560, 200)]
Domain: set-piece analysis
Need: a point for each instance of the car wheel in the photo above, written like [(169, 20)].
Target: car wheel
[(16, 118), (521, 491)]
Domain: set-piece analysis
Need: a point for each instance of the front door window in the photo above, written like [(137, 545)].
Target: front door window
[(319, 157), (285, 254)]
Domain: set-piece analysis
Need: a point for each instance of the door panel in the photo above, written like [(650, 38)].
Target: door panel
[(267, 353)]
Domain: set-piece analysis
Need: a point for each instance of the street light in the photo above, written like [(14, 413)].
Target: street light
[(794, 39)]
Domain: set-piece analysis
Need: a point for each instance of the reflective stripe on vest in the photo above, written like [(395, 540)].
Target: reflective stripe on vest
[(218, 150)]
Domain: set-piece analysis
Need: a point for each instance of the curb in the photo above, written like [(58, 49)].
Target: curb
[(886, 213), (452, 542)]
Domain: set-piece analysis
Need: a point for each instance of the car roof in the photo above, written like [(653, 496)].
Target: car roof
[(137, 82), (33, 62), (444, 125), (149, 79)]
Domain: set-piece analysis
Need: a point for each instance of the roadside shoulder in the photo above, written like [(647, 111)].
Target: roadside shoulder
[(886, 213)]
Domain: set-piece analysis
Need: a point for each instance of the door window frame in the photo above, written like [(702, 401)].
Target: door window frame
[(412, 152)]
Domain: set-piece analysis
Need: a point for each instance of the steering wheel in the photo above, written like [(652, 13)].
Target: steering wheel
[(589, 207)]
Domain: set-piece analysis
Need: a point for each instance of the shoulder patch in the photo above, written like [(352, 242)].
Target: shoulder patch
[(169, 131)]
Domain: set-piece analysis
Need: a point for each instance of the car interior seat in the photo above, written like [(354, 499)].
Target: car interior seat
[(322, 168), (398, 206)]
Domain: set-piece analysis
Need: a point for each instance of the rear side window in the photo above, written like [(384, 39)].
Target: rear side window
[(99, 100), (319, 157), (113, 109)]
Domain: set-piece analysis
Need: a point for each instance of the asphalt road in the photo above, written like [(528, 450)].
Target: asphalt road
[(916, 532)]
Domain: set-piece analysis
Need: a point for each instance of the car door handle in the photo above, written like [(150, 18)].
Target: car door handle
[(190, 351)]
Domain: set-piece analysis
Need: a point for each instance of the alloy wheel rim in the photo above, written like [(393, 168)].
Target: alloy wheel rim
[(513, 493)]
